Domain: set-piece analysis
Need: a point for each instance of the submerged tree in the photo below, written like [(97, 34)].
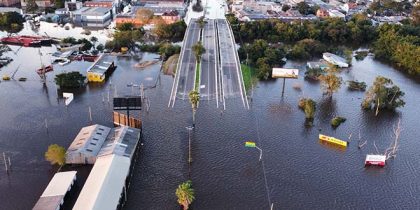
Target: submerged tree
[(185, 194), (31, 6), (56, 155), (383, 94), (144, 15), (309, 107), (70, 80), (194, 97), (330, 82), (199, 50)]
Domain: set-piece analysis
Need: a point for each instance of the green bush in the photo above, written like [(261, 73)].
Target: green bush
[(308, 106), (336, 121), (70, 80)]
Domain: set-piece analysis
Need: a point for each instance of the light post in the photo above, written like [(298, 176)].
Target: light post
[(189, 128), (253, 145)]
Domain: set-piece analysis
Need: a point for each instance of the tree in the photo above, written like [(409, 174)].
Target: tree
[(201, 22), (167, 49), (31, 6), (330, 82), (144, 15), (199, 50), (308, 106), (93, 39), (12, 22), (185, 194), (264, 69), (416, 15), (59, 4), (70, 80), (56, 155), (383, 94), (194, 97), (285, 7)]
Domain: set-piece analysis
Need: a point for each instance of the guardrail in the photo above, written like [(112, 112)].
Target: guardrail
[(177, 73)]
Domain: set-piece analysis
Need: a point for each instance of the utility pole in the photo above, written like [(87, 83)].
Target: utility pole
[(5, 162), (189, 128), (90, 115)]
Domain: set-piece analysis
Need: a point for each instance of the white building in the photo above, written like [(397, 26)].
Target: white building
[(87, 144), (53, 196), (93, 16)]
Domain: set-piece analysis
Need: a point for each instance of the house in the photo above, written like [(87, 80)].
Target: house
[(92, 16), (171, 17), (113, 5), (348, 6)]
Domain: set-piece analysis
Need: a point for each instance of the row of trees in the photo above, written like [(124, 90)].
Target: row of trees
[(262, 55), (358, 30), (125, 36), (400, 45)]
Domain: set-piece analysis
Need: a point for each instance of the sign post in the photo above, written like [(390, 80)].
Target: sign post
[(285, 74)]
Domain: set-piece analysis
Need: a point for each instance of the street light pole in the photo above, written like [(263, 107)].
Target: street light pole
[(189, 128), (260, 152)]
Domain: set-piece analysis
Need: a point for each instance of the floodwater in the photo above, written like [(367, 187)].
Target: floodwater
[(300, 173)]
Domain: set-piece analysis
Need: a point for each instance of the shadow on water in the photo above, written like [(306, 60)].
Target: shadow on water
[(327, 109)]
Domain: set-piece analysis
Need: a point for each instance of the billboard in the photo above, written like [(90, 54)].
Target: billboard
[(285, 73), (124, 103)]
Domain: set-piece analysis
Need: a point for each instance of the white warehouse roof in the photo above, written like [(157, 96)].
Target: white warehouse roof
[(53, 195), (105, 184)]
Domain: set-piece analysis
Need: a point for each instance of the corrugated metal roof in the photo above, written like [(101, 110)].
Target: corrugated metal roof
[(89, 140), (105, 183)]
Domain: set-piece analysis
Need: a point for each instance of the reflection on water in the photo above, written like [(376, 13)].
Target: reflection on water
[(301, 173)]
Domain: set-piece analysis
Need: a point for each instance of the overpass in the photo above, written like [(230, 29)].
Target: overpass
[(220, 75)]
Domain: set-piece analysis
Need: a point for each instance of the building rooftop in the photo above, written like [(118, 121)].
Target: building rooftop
[(89, 140), (53, 195), (102, 64), (103, 187), (121, 141), (93, 11)]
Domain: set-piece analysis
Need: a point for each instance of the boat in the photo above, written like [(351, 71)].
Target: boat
[(335, 60), (376, 160), (333, 140), (44, 70), (64, 62), (6, 77), (27, 41)]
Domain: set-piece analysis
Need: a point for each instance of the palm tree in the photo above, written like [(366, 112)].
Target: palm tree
[(185, 194), (198, 50), (194, 99)]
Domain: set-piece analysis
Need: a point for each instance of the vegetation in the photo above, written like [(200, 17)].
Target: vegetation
[(248, 73), (305, 9), (12, 22), (330, 82), (360, 55), (169, 66), (356, 85), (185, 194), (170, 32), (56, 155), (194, 97), (93, 40), (358, 30), (262, 56), (314, 73), (197, 76), (336, 121), (383, 94), (87, 45), (308, 106), (399, 45), (306, 49), (197, 7), (285, 7), (125, 36), (389, 7), (59, 4), (100, 47), (198, 50), (201, 22), (165, 49), (70, 80)]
